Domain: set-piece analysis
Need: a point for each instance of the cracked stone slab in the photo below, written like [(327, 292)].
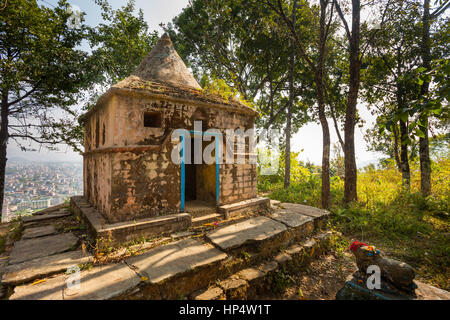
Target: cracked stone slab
[(99, 283), (251, 230), (46, 217), (175, 258), (38, 232), (48, 289), (235, 289), (304, 210), (103, 283), (58, 207), (30, 249), (231, 284), (291, 219), (214, 293), (45, 266), (282, 258), (274, 203), (250, 274), (268, 266)]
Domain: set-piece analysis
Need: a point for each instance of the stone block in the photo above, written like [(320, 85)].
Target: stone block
[(30, 249), (213, 293), (235, 289)]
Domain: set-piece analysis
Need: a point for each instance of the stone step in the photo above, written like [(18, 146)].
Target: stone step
[(58, 207), (275, 204), (177, 269), (46, 218), (263, 234), (42, 267), (259, 238), (30, 249), (198, 208), (259, 204), (36, 232), (100, 283), (319, 215), (250, 231), (250, 282), (210, 218)]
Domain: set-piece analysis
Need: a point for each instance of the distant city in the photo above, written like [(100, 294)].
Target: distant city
[(32, 186)]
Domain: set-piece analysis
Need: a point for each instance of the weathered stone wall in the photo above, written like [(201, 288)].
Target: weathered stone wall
[(144, 184), (97, 166), (97, 175), (238, 182), (128, 170)]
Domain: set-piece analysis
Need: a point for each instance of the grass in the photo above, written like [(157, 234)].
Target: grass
[(281, 280), (402, 223)]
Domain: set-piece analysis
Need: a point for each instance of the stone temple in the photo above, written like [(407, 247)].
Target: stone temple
[(129, 174)]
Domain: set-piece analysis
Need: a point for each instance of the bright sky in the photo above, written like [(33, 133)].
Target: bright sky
[(309, 137)]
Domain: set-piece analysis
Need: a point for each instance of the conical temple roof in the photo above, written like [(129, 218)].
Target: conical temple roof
[(164, 64)]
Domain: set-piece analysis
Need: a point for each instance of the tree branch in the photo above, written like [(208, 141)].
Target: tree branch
[(440, 10), (23, 97), (38, 140), (279, 10), (341, 15)]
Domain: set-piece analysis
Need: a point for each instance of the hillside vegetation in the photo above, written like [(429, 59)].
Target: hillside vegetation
[(403, 224)]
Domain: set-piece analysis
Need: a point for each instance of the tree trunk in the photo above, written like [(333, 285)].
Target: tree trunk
[(424, 148), (3, 144), (350, 191), (396, 156), (287, 158), (326, 195), (404, 162), (425, 163)]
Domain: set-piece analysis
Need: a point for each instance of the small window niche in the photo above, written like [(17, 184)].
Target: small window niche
[(152, 120)]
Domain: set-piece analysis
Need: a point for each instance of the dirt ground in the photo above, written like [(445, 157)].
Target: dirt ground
[(323, 278)]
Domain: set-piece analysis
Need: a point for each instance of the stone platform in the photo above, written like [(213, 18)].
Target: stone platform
[(236, 260), (259, 204), (198, 264), (123, 232)]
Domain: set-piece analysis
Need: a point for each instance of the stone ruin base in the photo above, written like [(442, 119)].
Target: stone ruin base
[(255, 205), (355, 288), (124, 232)]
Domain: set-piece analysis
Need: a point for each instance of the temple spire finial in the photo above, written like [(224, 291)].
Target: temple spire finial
[(164, 64)]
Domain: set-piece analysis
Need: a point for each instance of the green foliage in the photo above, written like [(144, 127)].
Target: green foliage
[(15, 233), (121, 43), (241, 43), (305, 182), (221, 88), (118, 46), (281, 280), (245, 256), (404, 224), (42, 72), (395, 76)]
